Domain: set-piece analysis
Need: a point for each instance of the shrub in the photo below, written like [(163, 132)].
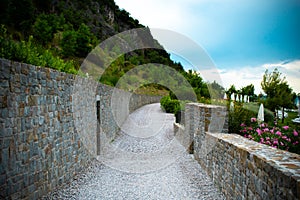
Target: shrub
[(242, 112), (238, 116), (284, 137), (170, 105), (29, 52)]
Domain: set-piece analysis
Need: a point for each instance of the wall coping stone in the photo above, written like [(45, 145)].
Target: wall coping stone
[(240, 168), (282, 160)]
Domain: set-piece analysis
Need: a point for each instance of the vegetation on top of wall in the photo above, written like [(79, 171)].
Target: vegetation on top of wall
[(204, 92), (29, 52)]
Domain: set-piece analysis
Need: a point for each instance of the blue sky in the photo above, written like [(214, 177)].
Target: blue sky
[(242, 37)]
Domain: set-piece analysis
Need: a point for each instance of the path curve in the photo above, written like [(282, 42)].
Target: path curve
[(145, 161)]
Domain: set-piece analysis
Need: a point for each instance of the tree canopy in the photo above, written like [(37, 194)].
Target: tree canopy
[(279, 94)]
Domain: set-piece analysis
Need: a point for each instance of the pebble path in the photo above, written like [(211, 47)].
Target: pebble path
[(144, 162)]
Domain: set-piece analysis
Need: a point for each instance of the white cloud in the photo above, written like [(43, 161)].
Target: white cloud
[(244, 76), (209, 22), (222, 27), (165, 14)]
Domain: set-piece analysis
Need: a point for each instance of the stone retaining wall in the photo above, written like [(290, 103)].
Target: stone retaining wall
[(242, 169), (115, 106), (48, 127)]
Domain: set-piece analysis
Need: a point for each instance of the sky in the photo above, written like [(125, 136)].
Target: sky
[(243, 38)]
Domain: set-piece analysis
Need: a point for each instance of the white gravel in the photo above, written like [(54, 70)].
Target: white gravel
[(144, 162)]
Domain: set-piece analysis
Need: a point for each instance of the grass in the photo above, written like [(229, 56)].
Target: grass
[(151, 90)]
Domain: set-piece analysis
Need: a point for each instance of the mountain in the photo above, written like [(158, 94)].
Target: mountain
[(71, 29), (60, 34)]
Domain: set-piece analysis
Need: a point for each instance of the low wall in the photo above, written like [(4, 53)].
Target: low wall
[(115, 106), (48, 126), (242, 169), (137, 101)]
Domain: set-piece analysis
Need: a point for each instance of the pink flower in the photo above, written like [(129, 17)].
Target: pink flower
[(259, 131), (295, 133), (267, 138), (278, 133), (262, 125), (266, 130), (285, 127), (253, 119), (275, 142), (250, 128), (284, 137), (281, 144), (262, 140), (272, 131), (243, 125)]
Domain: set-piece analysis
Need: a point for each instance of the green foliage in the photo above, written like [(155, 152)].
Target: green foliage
[(77, 43), (46, 26), (29, 52), (199, 86), (68, 43), (170, 105), (70, 29), (241, 114), (216, 90), (248, 90), (83, 40), (284, 137), (238, 116), (279, 94), (20, 15)]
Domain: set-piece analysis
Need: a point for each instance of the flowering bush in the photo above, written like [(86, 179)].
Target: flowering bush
[(284, 137)]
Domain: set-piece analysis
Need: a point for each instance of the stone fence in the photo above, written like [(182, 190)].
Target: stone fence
[(48, 126), (240, 168)]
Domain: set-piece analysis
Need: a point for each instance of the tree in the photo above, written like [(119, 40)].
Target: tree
[(199, 86), (231, 90), (20, 14), (83, 38), (248, 90), (45, 26), (278, 92), (216, 89), (68, 43)]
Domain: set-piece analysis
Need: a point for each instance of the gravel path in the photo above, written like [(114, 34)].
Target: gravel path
[(145, 161)]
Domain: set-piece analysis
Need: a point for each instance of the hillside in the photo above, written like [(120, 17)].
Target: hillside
[(70, 29), (60, 34)]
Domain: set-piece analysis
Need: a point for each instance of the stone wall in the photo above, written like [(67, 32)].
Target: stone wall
[(115, 106), (137, 101), (40, 144), (48, 126), (242, 169)]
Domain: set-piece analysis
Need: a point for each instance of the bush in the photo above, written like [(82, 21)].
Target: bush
[(243, 112), (28, 52), (170, 105), (285, 137), (238, 116)]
